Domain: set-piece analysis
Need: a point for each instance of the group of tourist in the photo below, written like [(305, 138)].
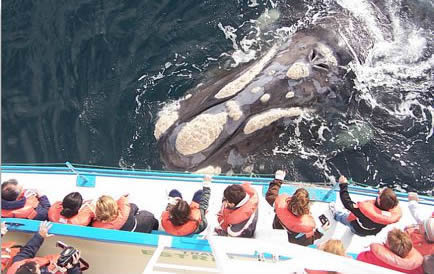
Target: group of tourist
[(409, 251)]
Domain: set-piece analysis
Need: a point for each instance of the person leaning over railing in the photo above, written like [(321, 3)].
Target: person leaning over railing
[(239, 213), (422, 233), (180, 218), (72, 210), (18, 202), (397, 254), (368, 217), (293, 213), (122, 215), (26, 262)]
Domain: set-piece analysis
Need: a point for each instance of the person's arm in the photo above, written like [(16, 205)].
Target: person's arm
[(42, 208), (416, 210), (273, 191), (204, 203), (31, 248)]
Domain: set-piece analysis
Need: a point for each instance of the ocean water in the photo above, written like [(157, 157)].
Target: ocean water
[(84, 81)]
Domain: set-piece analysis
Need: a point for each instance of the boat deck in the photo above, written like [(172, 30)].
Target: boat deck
[(151, 194)]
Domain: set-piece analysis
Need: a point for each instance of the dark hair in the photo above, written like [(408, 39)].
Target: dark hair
[(10, 193), (71, 204), (27, 268), (388, 199), (180, 213), (234, 194)]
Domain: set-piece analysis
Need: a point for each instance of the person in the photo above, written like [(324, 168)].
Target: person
[(293, 213), (122, 215), (422, 233), (397, 254), (17, 202), (72, 210), (239, 213), (9, 249), (333, 246), (368, 217), (182, 219), (26, 262)]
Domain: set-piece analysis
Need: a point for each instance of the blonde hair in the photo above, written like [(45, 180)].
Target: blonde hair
[(299, 204), (399, 242), (106, 208), (334, 247)]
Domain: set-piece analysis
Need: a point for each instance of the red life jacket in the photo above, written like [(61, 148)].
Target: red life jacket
[(8, 254), (419, 241), (185, 229), (28, 211), (302, 224), (382, 256), (83, 217), (235, 216), (377, 215), (124, 210), (49, 261)]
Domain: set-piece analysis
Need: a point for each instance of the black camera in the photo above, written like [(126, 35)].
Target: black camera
[(66, 254)]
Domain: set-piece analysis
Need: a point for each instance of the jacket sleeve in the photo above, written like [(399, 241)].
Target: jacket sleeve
[(418, 213), (74, 270), (203, 207), (347, 202), (30, 249), (273, 191), (42, 209)]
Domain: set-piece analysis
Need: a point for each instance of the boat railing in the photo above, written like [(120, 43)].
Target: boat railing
[(300, 258)]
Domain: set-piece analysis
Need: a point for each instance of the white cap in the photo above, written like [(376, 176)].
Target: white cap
[(280, 175)]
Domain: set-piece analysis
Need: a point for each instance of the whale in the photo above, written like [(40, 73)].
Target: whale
[(245, 109)]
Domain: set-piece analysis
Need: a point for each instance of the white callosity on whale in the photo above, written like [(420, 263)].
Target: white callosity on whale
[(265, 119), (234, 87), (200, 133)]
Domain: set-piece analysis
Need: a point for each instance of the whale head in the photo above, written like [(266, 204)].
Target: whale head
[(239, 112)]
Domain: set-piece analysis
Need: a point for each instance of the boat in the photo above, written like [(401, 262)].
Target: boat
[(113, 251)]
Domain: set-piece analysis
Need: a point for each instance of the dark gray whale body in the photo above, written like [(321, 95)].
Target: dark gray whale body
[(243, 110)]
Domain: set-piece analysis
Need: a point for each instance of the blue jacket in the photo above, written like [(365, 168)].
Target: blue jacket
[(42, 209), (31, 248)]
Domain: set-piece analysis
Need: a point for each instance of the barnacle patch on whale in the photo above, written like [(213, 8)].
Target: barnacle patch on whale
[(241, 82), (266, 118), (234, 110), (201, 132)]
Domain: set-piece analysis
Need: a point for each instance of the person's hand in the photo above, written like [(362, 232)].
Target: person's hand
[(44, 228), (4, 228), (343, 180), (75, 260), (207, 181), (412, 196), (31, 192)]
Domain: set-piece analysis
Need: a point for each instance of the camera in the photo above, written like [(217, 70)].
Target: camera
[(66, 254)]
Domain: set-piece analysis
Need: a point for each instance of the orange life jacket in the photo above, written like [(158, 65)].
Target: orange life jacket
[(49, 261), (302, 224), (377, 215), (83, 217), (235, 216), (8, 254), (419, 241), (185, 229), (121, 219), (412, 261), (28, 211)]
